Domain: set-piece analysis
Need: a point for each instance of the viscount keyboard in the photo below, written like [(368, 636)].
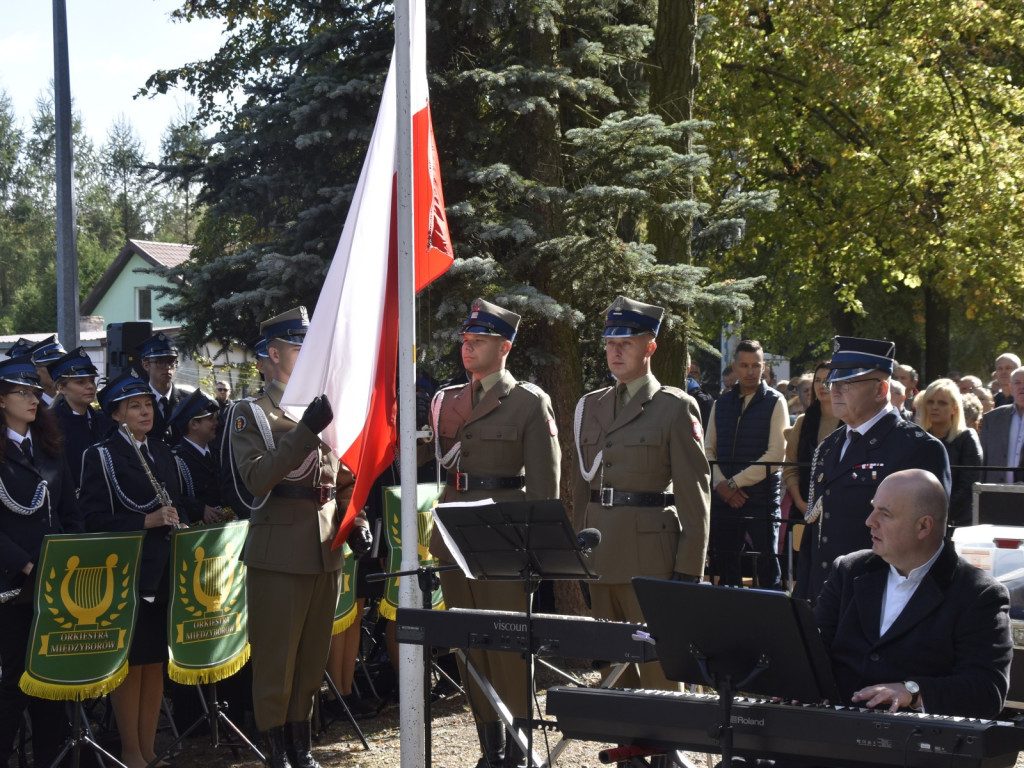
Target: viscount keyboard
[(565, 636), (836, 736)]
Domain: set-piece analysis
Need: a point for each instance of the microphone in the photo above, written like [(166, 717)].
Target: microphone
[(588, 539)]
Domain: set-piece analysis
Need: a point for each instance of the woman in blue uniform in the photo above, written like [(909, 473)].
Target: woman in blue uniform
[(37, 498), (82, 425), (118, 494)]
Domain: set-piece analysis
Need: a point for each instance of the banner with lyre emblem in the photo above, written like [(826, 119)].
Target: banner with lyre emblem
[(427, 495), (86, 603), (345, 613), (208, 624)]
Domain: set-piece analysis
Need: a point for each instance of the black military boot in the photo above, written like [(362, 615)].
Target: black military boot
[(492, 744), (514, 756), (300, 745), (274, 747)]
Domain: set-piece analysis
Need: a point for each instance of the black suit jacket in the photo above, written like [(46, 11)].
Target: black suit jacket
[(846, 487), (21, 536), (952, 638), (161, 429), (80, 432), (200, 479), (123, 507)]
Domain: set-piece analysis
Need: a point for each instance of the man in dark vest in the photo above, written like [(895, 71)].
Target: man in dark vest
[(747, 425)]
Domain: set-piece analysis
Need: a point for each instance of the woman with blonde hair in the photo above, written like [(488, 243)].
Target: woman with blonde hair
[(939, 411)]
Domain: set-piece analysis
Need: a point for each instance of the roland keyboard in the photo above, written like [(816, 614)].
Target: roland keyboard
[(573, 637), (835, 736)]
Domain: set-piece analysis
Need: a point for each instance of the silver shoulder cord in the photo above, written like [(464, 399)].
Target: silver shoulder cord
[(577, 427), (41, 494), (450, 459), (813, 510), (263, 425)]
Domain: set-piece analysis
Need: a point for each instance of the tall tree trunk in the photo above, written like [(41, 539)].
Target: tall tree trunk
[(674, 76), (936, 336)]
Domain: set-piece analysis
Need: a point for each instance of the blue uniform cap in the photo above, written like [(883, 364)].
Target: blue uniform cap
[(20, 347), (20, 370), (853, 357), (46, 351), (625, 317), (197, 404), (290, 326), (486, 319), (72, 365), (128, 384), (157, 345)]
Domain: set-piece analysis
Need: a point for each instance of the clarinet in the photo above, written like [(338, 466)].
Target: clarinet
[(161, 492)]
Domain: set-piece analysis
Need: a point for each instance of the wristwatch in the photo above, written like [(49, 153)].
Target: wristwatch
[(915, 693), (732, 484)]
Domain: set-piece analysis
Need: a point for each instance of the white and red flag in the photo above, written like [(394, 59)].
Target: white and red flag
[(351, 349)]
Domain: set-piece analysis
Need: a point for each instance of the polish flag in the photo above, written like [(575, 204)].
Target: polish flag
[(351, 349)]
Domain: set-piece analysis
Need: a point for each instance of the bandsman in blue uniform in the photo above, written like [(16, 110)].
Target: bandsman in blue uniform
[(43, 353), (160, 362), (848, 465), (642, 478), (81, 423), (195, 419), (496, 439)]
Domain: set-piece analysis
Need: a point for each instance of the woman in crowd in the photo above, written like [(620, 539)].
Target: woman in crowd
[(940, 412), (118, 494), (810, 429), (74, 375), (37, 498), (973, 410)]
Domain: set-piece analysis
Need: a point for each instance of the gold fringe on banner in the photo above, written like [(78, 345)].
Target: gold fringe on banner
[(192, 676), (58, 692), (344, 622)]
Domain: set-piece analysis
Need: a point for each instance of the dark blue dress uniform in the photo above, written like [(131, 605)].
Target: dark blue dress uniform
[(79, 430), (116, 495), (156, 346), (29, 510), (842, 488), (198, 471)]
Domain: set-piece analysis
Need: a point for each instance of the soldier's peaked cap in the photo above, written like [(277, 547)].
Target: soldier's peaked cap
[(158, 345), (852, 357), (626, 317), (74, 364), (491, 320), (290, 326)]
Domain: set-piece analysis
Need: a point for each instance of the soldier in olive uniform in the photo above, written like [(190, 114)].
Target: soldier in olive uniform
[(643, 479), (293, 576), (496, 438)]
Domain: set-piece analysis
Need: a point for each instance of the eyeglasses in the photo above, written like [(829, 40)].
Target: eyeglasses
[(844, 386), (26, 393), (163, 363), (221, 389)]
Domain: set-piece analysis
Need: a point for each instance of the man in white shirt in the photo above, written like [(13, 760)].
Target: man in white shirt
[(909, 624)]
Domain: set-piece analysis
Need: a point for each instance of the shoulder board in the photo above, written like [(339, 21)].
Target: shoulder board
[(451, 386), (595, 392), (532, 388), (674, 391)]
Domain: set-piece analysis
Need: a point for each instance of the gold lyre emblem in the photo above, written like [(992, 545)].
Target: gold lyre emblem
[(213, 579), (87, 593)]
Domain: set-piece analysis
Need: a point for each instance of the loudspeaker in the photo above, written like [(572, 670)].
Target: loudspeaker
[(122, 340), (998, 504)]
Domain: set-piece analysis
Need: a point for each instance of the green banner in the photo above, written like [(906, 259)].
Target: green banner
[(86, 602), (208, 624), (427, 495), (345, 613)]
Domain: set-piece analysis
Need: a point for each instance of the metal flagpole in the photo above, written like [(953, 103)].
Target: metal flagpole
[(410, 673), (67, 258)]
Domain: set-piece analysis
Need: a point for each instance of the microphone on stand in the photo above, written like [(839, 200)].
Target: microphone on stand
[(588, 539)]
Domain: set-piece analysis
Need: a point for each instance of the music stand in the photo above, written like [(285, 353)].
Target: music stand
[(514, 540), (760, 641)]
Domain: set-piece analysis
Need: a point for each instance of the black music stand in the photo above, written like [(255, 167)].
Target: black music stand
[(515, 540), (759, 641)]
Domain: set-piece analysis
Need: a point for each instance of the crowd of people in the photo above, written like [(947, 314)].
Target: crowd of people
[(681, 486)]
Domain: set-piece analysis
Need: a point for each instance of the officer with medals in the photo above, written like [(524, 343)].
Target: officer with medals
[(82, 425), (195, 419), (643, 478), (37, 498), (848, 465), (496, 438), (293, 575), (160, 362)]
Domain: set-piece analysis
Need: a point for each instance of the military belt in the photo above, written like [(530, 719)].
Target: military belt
[(609, 497), (462, 481), (321, 493)]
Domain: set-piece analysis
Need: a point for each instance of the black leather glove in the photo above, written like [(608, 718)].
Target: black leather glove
[(318, 414), (680, 576), (360, 540)]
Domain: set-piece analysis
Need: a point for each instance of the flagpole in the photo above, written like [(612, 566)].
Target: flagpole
[(410, 671)]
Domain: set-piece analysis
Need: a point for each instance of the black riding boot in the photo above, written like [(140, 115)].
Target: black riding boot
[(492, 744), (514, 756), (300, 745), (274, 747)]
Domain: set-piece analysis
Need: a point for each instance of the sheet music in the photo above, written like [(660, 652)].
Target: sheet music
[(456, 553)]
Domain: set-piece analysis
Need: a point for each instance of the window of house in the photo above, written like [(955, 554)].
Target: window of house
[(143, 304)]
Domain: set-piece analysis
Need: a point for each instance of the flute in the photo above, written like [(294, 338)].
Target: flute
[(161, 492)]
